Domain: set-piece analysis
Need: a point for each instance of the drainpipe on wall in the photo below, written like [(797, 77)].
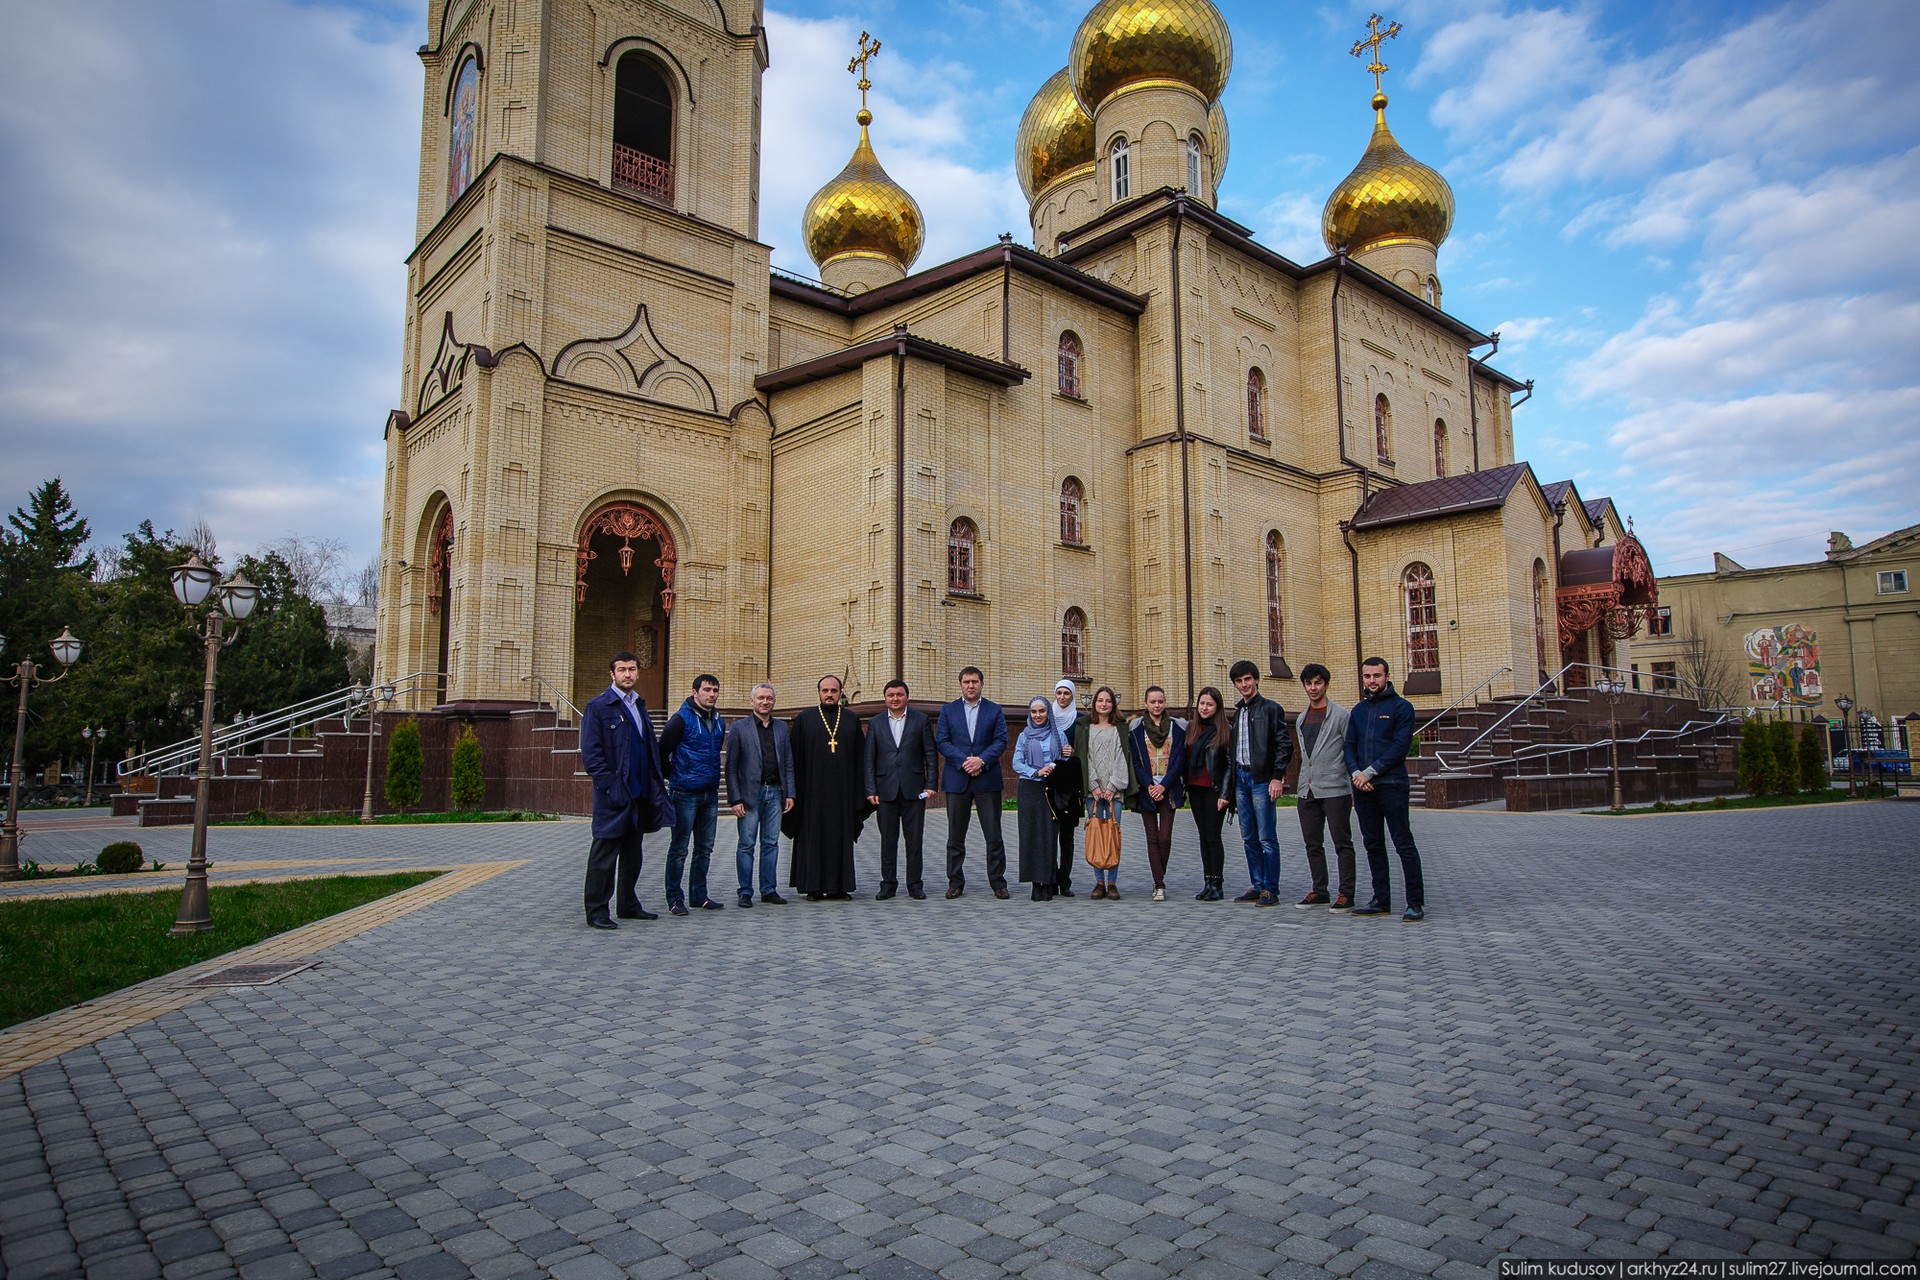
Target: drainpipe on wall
[(900, 504), (1473, 405), (1180, 435), (1340, 429), (1006, 299), (1353, 553)]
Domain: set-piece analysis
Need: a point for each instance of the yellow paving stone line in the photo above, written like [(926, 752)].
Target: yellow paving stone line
[(31, 1043), (223, 874)]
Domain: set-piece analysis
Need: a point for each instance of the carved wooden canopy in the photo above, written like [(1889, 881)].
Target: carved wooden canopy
[(629, 522), (1611, 586)]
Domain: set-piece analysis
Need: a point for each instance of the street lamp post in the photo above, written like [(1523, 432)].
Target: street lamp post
[(193, 583), (26, 674), (1846, 735), (1613, 688), (376, 698), (93, 737)]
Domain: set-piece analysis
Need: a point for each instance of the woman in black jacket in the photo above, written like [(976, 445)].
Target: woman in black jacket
[(1210, 786)]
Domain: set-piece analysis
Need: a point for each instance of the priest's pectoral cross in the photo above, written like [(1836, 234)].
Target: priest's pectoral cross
[(1371, 46)]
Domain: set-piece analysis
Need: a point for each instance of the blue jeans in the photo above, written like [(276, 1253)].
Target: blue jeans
[(1257, 831), (760, 825), (695, 815)]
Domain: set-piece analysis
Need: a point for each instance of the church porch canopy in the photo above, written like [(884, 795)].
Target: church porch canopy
[(1612, 586)]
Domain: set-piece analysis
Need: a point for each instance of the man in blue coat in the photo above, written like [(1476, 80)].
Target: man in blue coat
[(1379, 735), (971, 736), (620, 753)]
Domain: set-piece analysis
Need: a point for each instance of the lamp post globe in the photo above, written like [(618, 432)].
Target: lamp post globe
[(192, 581), (238, 597)]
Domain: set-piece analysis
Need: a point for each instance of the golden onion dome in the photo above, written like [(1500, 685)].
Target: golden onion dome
[(863, 211), (1389, 196), (1123, 41), (1217, 143), (1056, 135)]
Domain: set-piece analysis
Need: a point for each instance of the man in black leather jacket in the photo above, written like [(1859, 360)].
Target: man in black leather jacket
[(1260, 747)]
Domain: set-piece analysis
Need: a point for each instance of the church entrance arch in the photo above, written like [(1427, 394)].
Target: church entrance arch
[(440, 599), (623, 599)]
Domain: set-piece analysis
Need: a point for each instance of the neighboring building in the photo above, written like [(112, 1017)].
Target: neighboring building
[(1142, 450), (356, 624), (1798, 636)]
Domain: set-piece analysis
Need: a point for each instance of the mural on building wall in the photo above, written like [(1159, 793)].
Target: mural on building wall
[(1783, 665)]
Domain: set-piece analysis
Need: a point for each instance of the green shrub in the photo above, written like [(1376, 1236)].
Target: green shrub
[(469, 782), (122, 857), (1756, 757), (405, 764), (1786, 758), (1813, 757)]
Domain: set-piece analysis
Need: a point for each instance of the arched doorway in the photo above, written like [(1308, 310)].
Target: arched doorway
[(439, 599), (623, 596)]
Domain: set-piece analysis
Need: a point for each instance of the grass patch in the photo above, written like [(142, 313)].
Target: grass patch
[(59, 952), (261, 818), (1832, 795)]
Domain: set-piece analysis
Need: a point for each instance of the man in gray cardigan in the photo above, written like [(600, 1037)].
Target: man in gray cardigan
[(1326, 793)]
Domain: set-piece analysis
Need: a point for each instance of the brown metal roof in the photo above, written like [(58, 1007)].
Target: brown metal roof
[(1586, 566), (1429, 499), (900, 342), (1597, 509), (1555, 491)]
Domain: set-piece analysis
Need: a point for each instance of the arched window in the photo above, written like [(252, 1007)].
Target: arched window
[(1423, 620), (961, 539), (1073, 502), (1070, 364), (1540, 615), (642, 128), (1122, 175), (1432, 291), (1439, 448), (464, 121), (1382, 429), (1073, 643), (1256, 405), (1276, 619), (1193, 163)]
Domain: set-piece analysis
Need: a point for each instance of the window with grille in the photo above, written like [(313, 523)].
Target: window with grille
[(1070, 365), (1256, 405), (1073, 643), (1423, 620), (1072, 508), (1382, 429), (1666, 677), (1276, 618), (1439, 448), (962, 539)]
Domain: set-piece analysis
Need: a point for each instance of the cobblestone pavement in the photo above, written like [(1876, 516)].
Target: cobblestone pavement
[(1688, 1035)]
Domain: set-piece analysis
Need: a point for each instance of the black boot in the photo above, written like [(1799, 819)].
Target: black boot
[(1215, 890)]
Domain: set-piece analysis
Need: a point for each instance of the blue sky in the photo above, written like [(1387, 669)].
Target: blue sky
[(1694, 226)]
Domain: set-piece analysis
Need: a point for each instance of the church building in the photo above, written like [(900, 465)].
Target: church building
[(1134, 452)]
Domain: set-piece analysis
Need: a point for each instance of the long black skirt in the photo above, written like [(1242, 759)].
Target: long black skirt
[(1037, 839)]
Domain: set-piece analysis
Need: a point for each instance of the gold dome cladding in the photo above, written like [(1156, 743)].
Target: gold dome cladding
[(1217, 143), (1055, 137), (1388, 196), (863, 211), (1122, 41)]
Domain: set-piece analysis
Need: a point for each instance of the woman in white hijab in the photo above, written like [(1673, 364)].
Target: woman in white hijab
[(1064, 787)]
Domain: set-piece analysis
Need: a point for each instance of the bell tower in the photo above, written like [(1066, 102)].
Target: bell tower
[(586, 314)]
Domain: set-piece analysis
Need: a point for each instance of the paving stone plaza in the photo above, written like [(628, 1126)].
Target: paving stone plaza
[(1689, 1036)]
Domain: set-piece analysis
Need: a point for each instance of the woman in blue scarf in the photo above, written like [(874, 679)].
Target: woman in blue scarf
[(1036, 752)]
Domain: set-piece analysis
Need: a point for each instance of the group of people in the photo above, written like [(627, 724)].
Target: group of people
[(818, 776)]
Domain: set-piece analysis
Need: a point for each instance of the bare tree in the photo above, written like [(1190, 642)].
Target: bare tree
[(317, 565), (200, 538), (1703, 668), (367, 584)]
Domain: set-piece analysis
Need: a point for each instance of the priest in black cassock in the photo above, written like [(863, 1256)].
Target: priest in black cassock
[(830, 800)]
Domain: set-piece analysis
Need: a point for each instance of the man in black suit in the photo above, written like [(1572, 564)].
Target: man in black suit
[(620, 753), (900, 770)]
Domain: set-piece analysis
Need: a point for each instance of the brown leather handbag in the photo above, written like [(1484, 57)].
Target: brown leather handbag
[(1103, 836)]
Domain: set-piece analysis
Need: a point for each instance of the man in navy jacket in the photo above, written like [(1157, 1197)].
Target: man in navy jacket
[(971, 736), (620, 753), (1379, 735)]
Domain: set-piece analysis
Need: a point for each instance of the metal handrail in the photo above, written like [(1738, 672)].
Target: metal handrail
[(1549, 683), (1545, 750), (558, 699), (1444, 711), (178, 757)]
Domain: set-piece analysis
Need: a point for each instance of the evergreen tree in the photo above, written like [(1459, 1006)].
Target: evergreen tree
[(405, 764), (1786, 759), (1756, 757), (46, 575), (1813, 757), (469, 781)]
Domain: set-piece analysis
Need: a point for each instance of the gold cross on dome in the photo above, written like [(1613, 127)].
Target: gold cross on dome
[(1372, 46), (857, 65)]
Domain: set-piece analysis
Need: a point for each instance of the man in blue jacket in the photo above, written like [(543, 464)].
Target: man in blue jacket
[(620, 753), (690, 745), (1379, 735), (971, 736)]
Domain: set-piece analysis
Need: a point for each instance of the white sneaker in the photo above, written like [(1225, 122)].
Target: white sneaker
[(1159, 895)]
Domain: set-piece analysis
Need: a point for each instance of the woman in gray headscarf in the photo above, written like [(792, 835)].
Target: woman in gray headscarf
[(1064, 787), (1036, 754)]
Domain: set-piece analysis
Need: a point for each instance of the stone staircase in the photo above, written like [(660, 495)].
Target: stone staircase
[(530, 759), (1551, 752)]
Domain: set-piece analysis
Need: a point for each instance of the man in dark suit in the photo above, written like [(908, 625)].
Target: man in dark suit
[(900, 769), (620, 753), (971, 737)]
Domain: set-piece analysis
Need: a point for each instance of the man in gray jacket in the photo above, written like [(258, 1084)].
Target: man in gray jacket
[(1326, 792)]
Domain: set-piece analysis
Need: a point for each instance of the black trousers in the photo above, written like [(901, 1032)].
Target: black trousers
[(1209, 817), (1063, 874), (895, 814), (960, 806), (613, 869), (1317, 818)]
